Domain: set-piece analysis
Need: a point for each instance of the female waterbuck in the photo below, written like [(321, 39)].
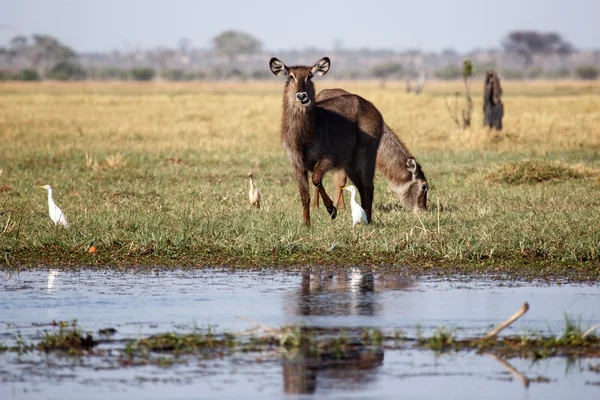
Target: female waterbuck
[(339, 133), (394, 161)]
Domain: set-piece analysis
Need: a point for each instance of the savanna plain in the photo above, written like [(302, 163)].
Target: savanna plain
[(156, 174)]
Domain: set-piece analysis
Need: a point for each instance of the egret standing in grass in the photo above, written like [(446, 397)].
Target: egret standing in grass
[(359, 216), (253, 194), (56, 214)]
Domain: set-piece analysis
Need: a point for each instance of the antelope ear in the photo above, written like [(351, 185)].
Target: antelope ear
[(411, 165), (277, 67), (321, 67)]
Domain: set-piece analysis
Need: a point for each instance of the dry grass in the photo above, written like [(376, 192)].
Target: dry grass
[(161, 169), (536, 171)]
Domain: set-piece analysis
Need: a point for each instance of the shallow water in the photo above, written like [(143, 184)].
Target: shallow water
[(143, 303)]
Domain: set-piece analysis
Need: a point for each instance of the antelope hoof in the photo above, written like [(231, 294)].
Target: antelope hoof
[(332, 211)]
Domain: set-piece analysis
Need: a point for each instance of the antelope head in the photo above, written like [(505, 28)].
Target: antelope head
[(415, 195), (299, 88)]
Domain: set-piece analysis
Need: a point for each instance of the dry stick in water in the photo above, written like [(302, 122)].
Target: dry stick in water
[(592, 329), (524, 380), (257, 326), (508, 322)]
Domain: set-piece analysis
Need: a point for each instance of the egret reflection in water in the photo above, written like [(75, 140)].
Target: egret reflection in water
[(52, 276), (350, 292)]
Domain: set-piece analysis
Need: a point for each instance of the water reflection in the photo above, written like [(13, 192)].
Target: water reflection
[(352, 365), (52, 276), (140, 304), (346, 293), (351, 292)]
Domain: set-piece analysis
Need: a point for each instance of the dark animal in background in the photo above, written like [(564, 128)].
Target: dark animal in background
[(338, 133), (493, 109)]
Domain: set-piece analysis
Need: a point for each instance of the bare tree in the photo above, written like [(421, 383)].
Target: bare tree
[(420, 83), (163, 57)]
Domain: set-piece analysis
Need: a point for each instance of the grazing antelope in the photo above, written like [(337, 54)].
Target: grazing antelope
[(404, 174), (337, 133), (253, 193)]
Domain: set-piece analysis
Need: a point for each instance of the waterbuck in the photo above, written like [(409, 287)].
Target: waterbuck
[(338, 133), (394, 161)]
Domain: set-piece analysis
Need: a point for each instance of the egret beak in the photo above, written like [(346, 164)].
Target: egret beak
[(41, 187), (345, 188)]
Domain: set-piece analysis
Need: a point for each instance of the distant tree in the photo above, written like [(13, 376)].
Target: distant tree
[(27, 74), (184, 46), (233, 43), (420, 83), (47, 51), (386, 70), (588, 72), (449, 72), (5, 75), (43, 52), (260, 74), (18, 43), (512, 74), (111, 73), (174, 75), (535, 72), (142, 74), (163, 57), (67, 71), (449, 52), (467, 72), (527, 44)]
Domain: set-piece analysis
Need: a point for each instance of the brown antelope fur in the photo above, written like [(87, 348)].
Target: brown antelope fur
[(394, 161), (338, 133)]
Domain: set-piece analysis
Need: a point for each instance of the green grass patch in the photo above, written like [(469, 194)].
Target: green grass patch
[(157, 175)]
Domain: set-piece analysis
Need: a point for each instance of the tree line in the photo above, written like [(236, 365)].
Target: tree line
[(43, 57)]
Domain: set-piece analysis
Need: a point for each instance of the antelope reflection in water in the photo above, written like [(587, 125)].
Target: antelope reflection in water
[(351, 292)]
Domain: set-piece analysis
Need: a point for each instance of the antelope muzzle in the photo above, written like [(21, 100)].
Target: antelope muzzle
[(303, 98)]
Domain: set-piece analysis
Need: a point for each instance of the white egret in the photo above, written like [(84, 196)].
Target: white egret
[(253, 194), (56, 214), (358, 214)]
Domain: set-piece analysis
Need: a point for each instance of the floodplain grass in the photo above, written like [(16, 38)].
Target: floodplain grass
[(156, 174), (70, 338)]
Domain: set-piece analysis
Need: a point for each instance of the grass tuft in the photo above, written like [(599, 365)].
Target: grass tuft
[(537, 171)]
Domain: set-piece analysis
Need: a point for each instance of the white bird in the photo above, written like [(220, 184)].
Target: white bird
[(253, 194), (56, 214), (358, 214)]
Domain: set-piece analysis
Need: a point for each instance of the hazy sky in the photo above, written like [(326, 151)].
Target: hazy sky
[(99, 25)]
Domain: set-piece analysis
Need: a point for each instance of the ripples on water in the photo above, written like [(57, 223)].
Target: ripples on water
[(143, 303)]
